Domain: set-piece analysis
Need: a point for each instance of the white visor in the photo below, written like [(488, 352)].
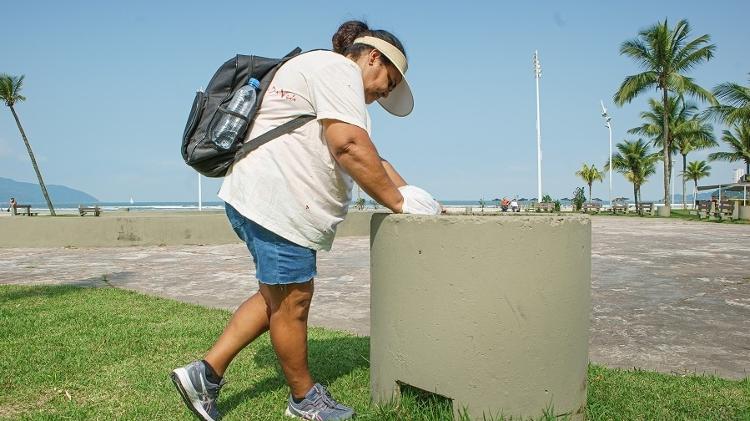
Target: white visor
[(400, 102)]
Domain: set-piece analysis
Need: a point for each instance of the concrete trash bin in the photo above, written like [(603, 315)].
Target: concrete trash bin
[(491, 312)]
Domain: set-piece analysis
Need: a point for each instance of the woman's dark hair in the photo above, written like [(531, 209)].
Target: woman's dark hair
[(343, 39)]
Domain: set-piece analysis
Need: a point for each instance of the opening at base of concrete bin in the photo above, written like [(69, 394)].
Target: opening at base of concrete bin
[(421, 396)]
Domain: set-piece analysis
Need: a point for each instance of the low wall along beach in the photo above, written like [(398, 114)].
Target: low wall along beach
[(137, 229)]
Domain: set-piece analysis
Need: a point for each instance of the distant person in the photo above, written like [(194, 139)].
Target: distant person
[(13, 208), (285, 199), (504, 204), (514, 205)]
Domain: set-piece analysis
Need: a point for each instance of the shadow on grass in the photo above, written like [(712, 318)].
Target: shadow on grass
[(64, 288), (329, 359), (14, 292)]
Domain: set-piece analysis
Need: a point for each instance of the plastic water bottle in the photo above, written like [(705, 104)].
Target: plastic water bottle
[(243, 102)]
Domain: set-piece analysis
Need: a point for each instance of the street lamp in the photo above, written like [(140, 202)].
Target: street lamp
[(608, 123), (537, 75)]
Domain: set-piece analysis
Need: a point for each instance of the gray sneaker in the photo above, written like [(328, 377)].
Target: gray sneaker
[(318, 405), (198, 393)]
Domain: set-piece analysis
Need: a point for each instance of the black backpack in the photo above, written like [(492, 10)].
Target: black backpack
[(198, 150)]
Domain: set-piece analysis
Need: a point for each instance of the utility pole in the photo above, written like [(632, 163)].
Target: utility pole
[(200, 194), (537, 75), (200, 190), (608, 124)]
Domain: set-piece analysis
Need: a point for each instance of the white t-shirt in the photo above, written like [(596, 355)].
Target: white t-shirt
[(292, 185)]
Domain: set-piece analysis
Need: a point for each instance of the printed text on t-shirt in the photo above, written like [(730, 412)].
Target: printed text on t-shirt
[(282, 93)]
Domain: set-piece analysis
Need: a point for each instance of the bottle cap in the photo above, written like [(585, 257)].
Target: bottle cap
[(254, 82)]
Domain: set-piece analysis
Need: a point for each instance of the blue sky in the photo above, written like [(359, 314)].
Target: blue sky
[(109, 86)]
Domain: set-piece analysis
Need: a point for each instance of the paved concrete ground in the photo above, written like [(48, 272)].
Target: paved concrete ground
[(668, 295)]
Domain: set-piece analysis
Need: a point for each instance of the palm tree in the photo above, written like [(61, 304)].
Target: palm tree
[(695, 171), (665, 54), (688, 130), (589, 175), (736, 109), (10, 92), (739, 142), (700, 135), (636, 162), (653, 120)]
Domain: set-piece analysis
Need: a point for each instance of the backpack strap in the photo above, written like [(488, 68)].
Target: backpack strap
[(266, 137)]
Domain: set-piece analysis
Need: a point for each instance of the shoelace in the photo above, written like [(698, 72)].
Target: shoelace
[(326, 398), (210, 395)]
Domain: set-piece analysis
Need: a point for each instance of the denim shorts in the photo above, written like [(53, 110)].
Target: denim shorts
[(277, 260)]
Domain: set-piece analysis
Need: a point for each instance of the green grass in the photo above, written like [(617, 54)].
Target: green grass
[(105, 353)]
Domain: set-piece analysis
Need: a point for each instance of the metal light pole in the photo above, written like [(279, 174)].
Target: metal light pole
[(607, 122), (200, 194), (200, 190), (672, 181), (537, 75)]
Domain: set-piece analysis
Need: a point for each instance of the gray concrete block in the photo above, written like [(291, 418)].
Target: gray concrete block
[(491, 312)]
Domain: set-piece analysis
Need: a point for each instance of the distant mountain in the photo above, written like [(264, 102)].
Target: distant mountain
[(30, 193)]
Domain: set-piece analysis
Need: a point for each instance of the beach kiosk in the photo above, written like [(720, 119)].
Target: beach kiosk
[(723, 192)]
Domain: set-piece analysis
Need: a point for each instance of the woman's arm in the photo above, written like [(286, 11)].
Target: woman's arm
[(354, 151), (393, 174)]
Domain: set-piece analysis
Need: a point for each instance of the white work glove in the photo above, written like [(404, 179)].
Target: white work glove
[(418, 201)]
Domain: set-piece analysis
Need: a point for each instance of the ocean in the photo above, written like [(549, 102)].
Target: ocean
[(68, 208), (64, 208)]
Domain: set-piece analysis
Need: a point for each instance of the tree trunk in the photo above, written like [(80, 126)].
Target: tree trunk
[(667, 155), (684, 164), (590, 196), (695, 191), (635, 196), (33, 163), (638, 195)]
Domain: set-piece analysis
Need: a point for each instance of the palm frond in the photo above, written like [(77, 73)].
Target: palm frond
[(724, 156), (739, 144), (685, 85), (694, 58), (638, 51), (633, 85), (733, 94), (728, 114), (10, 89), (677, 38), (645, 130), (736, 106)]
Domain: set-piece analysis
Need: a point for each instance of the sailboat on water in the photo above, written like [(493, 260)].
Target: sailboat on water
[(131, 200)]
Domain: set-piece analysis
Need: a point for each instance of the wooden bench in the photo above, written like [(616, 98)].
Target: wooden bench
[(725, 209), (619, 207), (22, 210), (83, 210), (592, 206), (645, 206), (705, 208), (545, 207)]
